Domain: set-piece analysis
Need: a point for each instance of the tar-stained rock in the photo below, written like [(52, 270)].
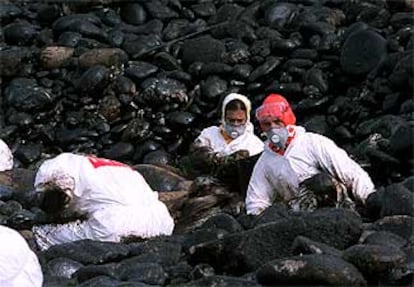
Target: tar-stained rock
[(138, 70), (156, 251), (222, 281), (320, 269), (385, 238), (202, 49), (195, 237), (106, 281), (28, 153), (13, 60), (158, 157), (62, 267), (133, 13), (303, 245), (402, 225), (394, 199), (6, 192), (120, 151), (20, 34), (22, 219), (26, 95), (345, 67), (179, 273), (362, 52), (224, 222), (10, 207), (202, 270), (161, 178), (273, 213), (376, 262), (248, 250), (156, 91), (150, 273), (88, 251), (93, 80), (91, 271)]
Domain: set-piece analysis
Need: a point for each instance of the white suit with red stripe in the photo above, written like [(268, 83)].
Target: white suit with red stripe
[(308, 154), (116, 199), (19, 266)]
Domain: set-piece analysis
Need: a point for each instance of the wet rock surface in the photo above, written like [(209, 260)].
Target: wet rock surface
[(137, 81)]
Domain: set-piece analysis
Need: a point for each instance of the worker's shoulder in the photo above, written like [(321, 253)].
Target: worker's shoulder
[(69, 155), (315, 137), (212, 130)]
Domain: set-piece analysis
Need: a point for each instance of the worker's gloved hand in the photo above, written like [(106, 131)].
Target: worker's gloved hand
[(231, 158), (324, 188), (53, 199), (199, 161)]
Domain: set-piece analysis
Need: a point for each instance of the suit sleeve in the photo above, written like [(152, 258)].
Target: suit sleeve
[(337, 162)]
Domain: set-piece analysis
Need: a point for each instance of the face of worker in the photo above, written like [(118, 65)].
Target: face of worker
[(276, 132), (235, 123), (271, 123), (236, 117)]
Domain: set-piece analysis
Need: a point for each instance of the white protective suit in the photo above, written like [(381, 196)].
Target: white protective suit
[(6, 157), (117, 200), (19, 266), (213, 138), (308, 154)]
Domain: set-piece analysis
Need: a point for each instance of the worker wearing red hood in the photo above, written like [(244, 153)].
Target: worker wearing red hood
[(308, 154)]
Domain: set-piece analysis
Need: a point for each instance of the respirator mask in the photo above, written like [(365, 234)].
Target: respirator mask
[(278, 137)]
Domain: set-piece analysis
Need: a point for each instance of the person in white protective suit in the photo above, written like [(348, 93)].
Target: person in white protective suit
[(236, 132), (19, 265), (6, 157), (309, 155), (115, 198)]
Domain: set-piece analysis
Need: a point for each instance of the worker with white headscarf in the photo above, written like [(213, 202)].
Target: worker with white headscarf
[(310, 155), (116, 200), (19, 265), (236, 132)]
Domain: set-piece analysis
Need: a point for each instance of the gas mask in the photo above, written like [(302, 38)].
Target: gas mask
[(234, 131), (278, 137)]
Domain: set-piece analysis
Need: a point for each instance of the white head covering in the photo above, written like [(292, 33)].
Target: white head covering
[(56, 176), (234, 96)]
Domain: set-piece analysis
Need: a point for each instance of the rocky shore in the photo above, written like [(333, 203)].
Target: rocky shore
[(136, 81)]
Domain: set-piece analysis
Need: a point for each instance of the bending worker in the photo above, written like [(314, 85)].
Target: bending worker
[(310, 155), (116, 200)]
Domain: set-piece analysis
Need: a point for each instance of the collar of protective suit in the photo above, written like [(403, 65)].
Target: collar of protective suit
[(235, 96), (294, 132)]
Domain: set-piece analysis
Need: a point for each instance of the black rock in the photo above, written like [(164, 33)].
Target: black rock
[(318, 269), (63, 267), (88, 251), (376, 262), (25, 95), (362, 52), (203, 49)]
